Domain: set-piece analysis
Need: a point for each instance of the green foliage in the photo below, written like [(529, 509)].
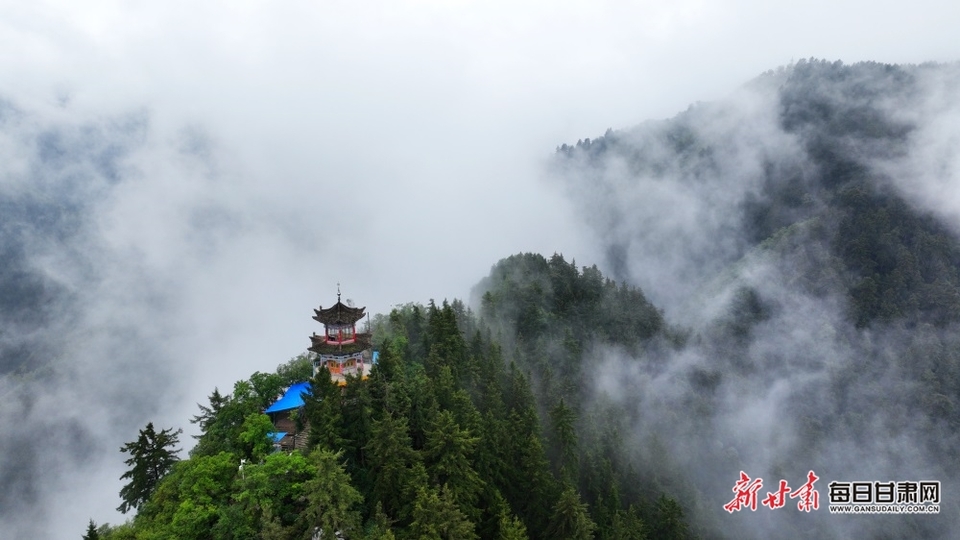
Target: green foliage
[(208, 415), (297, 369), (669, 523), (564, 440), (222, 422), (267, 387), (332, 502), (379, 526), (539, 300), (126, 531), (570, 520), (323, 412), (92, 532), (443, 440), (626, 525), (392, 461), (447, 454), (511, 528), (492, 426), (188, 502), (152, 456), (436, 516), (254, 438)]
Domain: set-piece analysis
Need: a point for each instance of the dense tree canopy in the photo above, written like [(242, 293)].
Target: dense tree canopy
[(443, 440)]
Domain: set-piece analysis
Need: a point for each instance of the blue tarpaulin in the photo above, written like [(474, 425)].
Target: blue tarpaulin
[(277, 435), (290, 400)]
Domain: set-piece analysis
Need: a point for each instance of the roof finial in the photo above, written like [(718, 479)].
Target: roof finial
[(338, 291)]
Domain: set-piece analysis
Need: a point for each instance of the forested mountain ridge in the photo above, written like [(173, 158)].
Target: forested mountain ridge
[(844, 131), (782, 297), (802, 233), (443, 440)]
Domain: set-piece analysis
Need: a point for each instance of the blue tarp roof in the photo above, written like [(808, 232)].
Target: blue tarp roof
[(290, 400), (277, 435)]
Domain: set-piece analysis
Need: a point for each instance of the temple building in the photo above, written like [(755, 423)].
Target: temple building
[(283, 413), (341, 349)]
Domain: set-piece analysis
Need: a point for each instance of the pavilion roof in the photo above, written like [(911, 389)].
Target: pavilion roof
[(339, 313), (320, 345)]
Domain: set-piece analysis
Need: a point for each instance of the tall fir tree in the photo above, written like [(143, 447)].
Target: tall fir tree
[(322, 409), (92, 532), (152, 456), (436, 516), (570, 520)]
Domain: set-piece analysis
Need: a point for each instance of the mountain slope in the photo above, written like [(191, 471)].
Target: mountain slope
[(804, 233)]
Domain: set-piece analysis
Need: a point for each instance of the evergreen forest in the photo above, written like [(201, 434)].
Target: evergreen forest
[(449, 437), (780, 294)]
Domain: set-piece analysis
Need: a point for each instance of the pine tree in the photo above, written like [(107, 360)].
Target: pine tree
[(357, 413), (391, 457), (332, 503), (379, 527), (570, 520), (223, 425), (92, 533), (437, 517), (447, 453), (511, 528), (669, 522), (322, 410), (627, 525), (208, 414), (564, 441), (151, 458)]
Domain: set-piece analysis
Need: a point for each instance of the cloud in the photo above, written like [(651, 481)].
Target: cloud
[(225, 165), (774, 379)]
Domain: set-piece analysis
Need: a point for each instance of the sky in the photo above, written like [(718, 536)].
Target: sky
[(232, 162)]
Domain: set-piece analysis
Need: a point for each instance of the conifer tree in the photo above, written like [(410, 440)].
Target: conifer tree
[(222, 428), (357, 413), (564, 441), (391, 457), (669, 522), (570, 520), (448, 454), (626, 525), (92, 533), (437, 517), (332, 503), (379, 526), (151, 458), (511, 528), (322, 410), (208, 414)]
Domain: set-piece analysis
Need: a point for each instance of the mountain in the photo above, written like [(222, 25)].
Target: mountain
[(443, 439), (802, 235), (778, 297)]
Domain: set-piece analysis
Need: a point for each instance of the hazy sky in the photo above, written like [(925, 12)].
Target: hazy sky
[(394, 147)]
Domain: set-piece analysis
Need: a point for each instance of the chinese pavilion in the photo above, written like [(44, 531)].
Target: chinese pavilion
[(341, 349)]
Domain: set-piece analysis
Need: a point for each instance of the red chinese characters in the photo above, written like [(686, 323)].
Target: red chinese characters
[(778, 499), (746, 494), (809, 497)]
